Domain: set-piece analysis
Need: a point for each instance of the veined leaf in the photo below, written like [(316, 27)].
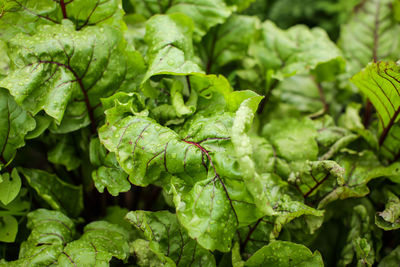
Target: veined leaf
[(8, 228), (168, 239), (215, 11), (57, 193), (389, 219), (380, 82), (9, 186), (285, 254), (15, 123), (78, 67), (371, 34), (24, 16), (170, 49), (100, 242)]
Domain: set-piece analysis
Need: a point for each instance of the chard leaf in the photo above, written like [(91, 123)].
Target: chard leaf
[(100, 242), (389, 219), (297, 50), (221, 45), (78, 67), (26, 15), (109, 174), (285, 254), (65, 154), (15, 123), (359, 243), (51, 230), (9, 186), (8, 228), (57, 193), (371, 34), (216, 12), (392, 259), (168, 239), (380, 83), (170, 51), (360, 168), (145, 256)]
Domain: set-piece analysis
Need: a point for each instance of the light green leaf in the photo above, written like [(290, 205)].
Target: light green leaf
[(167, 238), (389, 219), (15, 123), (204, 13), (8, 228), (26, 15), (371, 34), (10, 186), (297, 50), (59, 65), (100, 242), (170, 48), (285, 254), (148, 257), (380, 83), (57, 193)]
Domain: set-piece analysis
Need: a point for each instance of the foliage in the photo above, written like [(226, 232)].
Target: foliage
[(199, 133)]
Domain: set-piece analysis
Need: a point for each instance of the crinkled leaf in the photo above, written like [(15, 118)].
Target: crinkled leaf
[(26, 15), (222, 46), (359, 242), (317, 178), (297, 50), (170, 48), (360, 168), (285, 254), (145, 256), (371, 34), (168, 238), (51, 230), (389, 219), (8, 228), (15, 123), (57, 193), (100, 242), (204, 13), (74, 66), (10, 186)]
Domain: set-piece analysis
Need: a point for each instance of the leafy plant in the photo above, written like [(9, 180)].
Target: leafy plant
[(199, 133)]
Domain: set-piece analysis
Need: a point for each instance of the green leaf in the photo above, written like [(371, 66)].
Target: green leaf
[(64, 153), (8, 228), (148, 257), (359, 240), (57, 193), (169, 239), (380, 83), (297, 50), (204, 13), (170, 49), (392, 259), (222, 46), (360, 168), (389, 219), (26, 15), (15, 123), (285, 254), (51, 230), (368, 34), (10, 186), (100, 242), (75, 66)]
